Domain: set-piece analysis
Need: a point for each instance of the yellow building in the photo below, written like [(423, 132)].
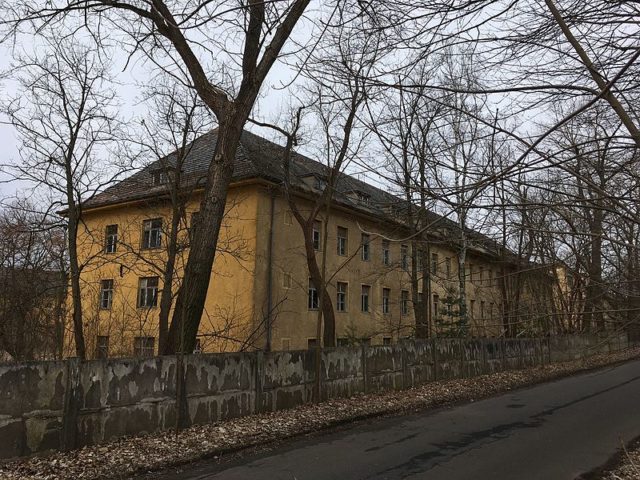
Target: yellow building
[(260, 294)]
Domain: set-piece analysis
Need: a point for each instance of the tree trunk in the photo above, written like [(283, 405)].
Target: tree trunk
[(76, 297), (166, 298), (193, 292)]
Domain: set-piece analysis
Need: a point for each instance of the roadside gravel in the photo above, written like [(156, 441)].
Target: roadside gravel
[(136, 455)]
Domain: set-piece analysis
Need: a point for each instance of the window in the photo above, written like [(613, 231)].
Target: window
[(404, 302), (419, 260), (319, 183), (143, 346), (481, 276), (386, 296), (286, 344), (341, 298), (482, 309), (434, 263), (436, 306), (111, 239), (343, 342), (491, 310), (386, 341), (152, 233), (366, 247), (363, 198), (148, 292), (343, 239), (470, 273), (315, 234), (288, 217), (102, 346), (386, 252), (106, 294), (364, 298), (312, 300), (286, 280), (312, 342), (160, 177), (472, 307), (198, 347), (404, 257), (447, 264), (490, 278)]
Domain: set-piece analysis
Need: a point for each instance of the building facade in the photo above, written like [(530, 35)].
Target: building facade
[(260, 295)]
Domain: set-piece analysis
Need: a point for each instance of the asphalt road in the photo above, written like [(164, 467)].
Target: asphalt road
[(556, 430)]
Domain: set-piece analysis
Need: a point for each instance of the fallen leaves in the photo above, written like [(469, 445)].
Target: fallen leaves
[(134, 455)]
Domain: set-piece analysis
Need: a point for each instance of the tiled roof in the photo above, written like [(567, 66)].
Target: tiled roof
[(259, 158)]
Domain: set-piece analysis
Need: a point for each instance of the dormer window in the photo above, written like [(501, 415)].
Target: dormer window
[(160, 177), (319, 183), (363, 198)]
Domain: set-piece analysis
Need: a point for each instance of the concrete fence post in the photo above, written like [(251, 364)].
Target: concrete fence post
[(406, 381), (434, 348), (72, 404), (259, 382), (365, 373), (485, 364)]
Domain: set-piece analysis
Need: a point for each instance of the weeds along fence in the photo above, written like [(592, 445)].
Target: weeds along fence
[(68, 404)]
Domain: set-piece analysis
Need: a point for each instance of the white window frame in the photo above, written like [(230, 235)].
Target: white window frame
[(152, 235), (106, 294), (148, 294)]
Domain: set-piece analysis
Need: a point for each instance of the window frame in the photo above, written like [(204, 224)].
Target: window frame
[(365, 247), (313, 297), (386, 252), (111, 239), (386, 300), (144, 346), (404, 303), (106, 287), (147, 233), (153, 288), (342, 241), (316, 235), (345, 296), (404, 257), (365, 298), (434, 263)]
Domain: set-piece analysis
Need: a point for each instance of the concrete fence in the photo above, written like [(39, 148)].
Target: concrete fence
[(68, 404)]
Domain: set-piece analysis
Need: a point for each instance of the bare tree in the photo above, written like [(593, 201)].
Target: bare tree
[(32, 284), (65, 120)]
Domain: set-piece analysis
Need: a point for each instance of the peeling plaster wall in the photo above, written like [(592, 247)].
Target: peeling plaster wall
[(68, 404)]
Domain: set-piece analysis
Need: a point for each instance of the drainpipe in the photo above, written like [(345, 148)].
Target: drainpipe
[(270, 273)]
